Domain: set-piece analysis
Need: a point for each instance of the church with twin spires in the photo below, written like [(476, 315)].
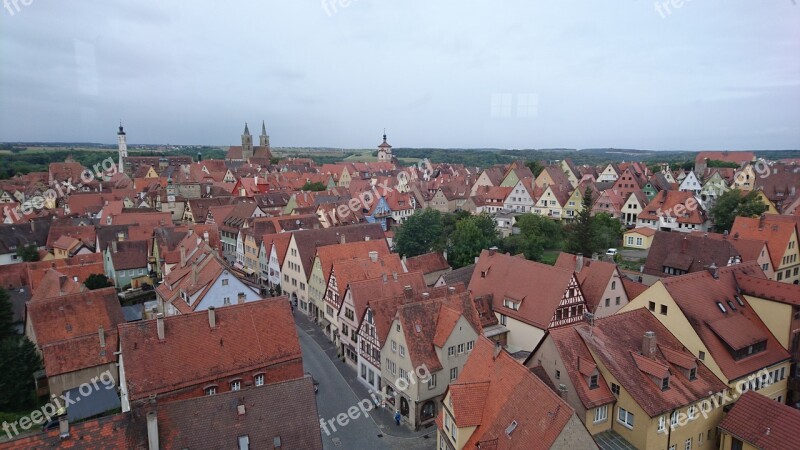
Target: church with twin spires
[(260, 154)]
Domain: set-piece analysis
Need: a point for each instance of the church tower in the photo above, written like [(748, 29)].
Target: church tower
[(123, 147), (263, 140), (247, 143), (384, 150)]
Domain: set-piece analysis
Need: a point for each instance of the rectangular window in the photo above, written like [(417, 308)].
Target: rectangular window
[(601, 414), (259, 379), (469, 345), (453, 373), (402, 351), (624, 417), (651, 306), (394, 346), (662, 424), (663, 310), (688, 444), (460, 348), (432, 381), (236, 385), (615, 388)]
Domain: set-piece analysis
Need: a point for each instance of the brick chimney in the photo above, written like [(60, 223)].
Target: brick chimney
[(684, 244), (212, 317), (497, 349), (114, 246), (761, 220), (63, 427), (408, 292), (649, 344), (152, 431), (183, 255), (713, 270), (578, 263), (562, 391), (102, 335), (160, 326)]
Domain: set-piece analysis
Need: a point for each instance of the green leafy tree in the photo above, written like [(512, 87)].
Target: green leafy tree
[(97, 281), (28, 253), (420, 233), (536, 233), (316, 186), (536, 167), (734, 204), (472, 235), (606, 232), (6, 315), (580, 235), (718, 163), (18, 362)]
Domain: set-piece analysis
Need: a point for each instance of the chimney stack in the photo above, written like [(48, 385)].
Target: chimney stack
[(194, 273), (562, 391), (183, 255), (160, 326), (385, 279), (578, 263), (408, 292), (152, 431), (497, 349), (426, 295), (212, 317), (342, 239), (761, 220), (114, 246), (649, 344), (394, 276), (684, 244), (102, 335), (373, 256), (712, 269)]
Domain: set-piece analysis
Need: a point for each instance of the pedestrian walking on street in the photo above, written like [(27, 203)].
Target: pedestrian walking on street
[(397, 417)]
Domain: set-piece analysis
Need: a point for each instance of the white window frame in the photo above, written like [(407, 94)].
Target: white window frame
[(601, 414)]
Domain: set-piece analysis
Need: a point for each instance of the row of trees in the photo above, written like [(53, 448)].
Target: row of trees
[(464, 235)]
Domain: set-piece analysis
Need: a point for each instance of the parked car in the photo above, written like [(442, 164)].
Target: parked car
[(611, 252)]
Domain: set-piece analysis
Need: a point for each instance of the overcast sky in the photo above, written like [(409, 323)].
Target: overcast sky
[(710, 74)]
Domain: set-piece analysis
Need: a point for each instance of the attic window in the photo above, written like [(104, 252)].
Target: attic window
[(730, 303), (722, 308), (739, 300), (511, 428), (593, 382), (483, 274), (693, 374), (665, 383)]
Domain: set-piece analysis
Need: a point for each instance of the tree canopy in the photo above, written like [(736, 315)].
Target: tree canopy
[(316, 186), (420, 233), (6, 315), (735, 203), (28, 253), (97, 281), (472, 234)]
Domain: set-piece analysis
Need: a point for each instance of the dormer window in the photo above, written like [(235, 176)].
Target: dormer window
[(593, 382), (665, 383), (693, 374)]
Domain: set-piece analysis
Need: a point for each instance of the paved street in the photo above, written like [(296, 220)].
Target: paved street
[(339, 391)]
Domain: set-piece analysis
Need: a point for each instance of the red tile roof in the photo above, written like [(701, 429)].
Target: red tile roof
[(728, 156), (688, 252), (768, 289), (762, 422), (420, 323), (468, 402), (286, 409), (594, 276), (106, 433), (776, 232), (616, 341), (79, 353), (697, 294), (427, 263), (539, 287), (75, 315), (514, 394), (330, 254), (633, 288), (247, 336), (571, 349)]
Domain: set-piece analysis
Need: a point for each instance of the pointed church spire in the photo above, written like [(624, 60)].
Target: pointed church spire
[(263, 128), (246, 130), (384, 135), (121, 132)]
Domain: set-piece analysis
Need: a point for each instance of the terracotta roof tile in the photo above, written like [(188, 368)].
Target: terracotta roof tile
[(514, 395), (248, 336), (75, 315), (776, 232), (762, 422), (768, 289), (427, 263), (697, 295), (616, 342)]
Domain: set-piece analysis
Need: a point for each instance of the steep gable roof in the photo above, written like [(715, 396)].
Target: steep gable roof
[(514, 395), (762, 422), (539, 287), (75, 315), (616, 342), (427, 263), (246, 337), (593, 275), (776, 232), (697, 295)]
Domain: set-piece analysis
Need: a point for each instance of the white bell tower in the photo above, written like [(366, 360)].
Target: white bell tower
[(123, 147)]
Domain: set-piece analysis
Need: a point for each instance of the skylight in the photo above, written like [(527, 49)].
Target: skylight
[(511, 428), (722, 307), (739, 300)]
